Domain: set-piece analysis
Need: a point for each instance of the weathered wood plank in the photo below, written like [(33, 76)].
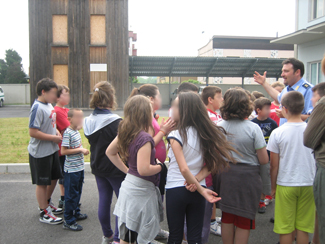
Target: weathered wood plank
[(97, 6), (40, 39)]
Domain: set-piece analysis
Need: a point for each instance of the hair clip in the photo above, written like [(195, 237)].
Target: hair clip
[(96, 89)]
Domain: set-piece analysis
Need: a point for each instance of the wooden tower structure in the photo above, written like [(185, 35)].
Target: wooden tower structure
[(79, 43)]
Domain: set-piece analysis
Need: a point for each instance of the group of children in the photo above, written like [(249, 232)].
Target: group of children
[(221, 159)]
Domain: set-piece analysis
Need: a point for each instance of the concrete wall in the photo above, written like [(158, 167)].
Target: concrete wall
[(304, 14), (20, 93), (311, 52), (16, 93), (167, 97)]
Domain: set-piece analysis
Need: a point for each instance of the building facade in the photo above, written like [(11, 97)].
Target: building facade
[(236, 46), (79, 43), (309, 37)]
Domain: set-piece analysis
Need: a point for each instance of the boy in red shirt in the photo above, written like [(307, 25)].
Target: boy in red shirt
[(279, 86), (62, 122)]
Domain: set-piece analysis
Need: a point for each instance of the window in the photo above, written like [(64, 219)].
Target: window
[(61, 74), (60, 29), (316, 75), (97, 30), (317, 9)]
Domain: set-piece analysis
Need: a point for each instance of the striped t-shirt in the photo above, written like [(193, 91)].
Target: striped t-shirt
[(74, 162), (215, 117)]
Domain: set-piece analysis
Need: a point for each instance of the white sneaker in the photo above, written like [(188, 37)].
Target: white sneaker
[(46, 216), (107, 240), (215, 228), (55, 210), (162, 234), (267, 201)]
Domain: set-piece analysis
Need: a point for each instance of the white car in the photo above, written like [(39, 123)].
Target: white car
[(2, 97)]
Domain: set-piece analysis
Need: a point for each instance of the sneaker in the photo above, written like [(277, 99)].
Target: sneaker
[(163, 234), (107, 240), (46, 216), (61, 204), (215, 228), (268, 200), (74, 227), (218, 220), (55, 210), (81, 216), (261, 207)]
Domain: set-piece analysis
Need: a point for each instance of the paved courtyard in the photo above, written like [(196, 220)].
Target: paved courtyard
[(19, 216)]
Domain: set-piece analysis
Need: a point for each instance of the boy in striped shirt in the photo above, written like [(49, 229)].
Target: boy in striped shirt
[(73, 170)]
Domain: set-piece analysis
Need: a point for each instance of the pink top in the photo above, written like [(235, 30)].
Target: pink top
[(216, 118), (161, 147)]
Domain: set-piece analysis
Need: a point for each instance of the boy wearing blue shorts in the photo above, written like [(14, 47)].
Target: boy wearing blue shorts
[(292, 174)]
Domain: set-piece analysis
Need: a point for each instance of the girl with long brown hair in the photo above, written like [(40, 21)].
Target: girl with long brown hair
[(152, 93), (139, 206), (196, 141)]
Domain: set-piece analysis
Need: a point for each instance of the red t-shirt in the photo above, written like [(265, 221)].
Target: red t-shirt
[(273, 113), (62, 121)]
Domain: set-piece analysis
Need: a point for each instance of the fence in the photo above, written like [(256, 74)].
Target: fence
[(20, 93), (16, 93)]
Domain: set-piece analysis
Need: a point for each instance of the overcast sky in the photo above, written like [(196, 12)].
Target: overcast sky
[(170, 27)]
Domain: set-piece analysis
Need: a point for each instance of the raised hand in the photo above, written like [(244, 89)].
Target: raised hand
[(260, 79), (167, 126)]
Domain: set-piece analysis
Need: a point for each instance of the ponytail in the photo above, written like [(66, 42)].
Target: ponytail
[(148, 90)]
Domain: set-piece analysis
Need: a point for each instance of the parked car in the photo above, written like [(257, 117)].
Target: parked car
[(2, 97)]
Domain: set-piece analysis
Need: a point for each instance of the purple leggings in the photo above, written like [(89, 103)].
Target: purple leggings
[(106, 186)]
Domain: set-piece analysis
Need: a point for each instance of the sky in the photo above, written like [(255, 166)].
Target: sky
[(170, 27)]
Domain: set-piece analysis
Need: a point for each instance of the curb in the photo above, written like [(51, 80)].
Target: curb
[(23, 168)]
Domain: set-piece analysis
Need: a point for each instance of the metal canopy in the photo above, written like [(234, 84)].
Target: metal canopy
[(203, 66)]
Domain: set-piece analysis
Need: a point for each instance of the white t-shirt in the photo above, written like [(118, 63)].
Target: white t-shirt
[(193, 156), (297, 164)]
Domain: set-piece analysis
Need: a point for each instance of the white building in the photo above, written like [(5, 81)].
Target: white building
[(309, 37)]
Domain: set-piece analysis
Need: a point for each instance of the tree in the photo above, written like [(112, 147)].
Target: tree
[(192, 81), (11, 69)]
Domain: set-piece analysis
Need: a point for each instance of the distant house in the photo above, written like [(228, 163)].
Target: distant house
[(309, 37)]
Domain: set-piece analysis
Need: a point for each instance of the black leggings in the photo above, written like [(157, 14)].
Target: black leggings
[(130, 236), (181, 203)]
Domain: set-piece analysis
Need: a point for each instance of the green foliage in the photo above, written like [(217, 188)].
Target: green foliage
[(151, 80), (192, 81), (11, 69), (132, 79)]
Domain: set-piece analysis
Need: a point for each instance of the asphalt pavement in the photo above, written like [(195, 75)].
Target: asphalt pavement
[(19, 216)]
